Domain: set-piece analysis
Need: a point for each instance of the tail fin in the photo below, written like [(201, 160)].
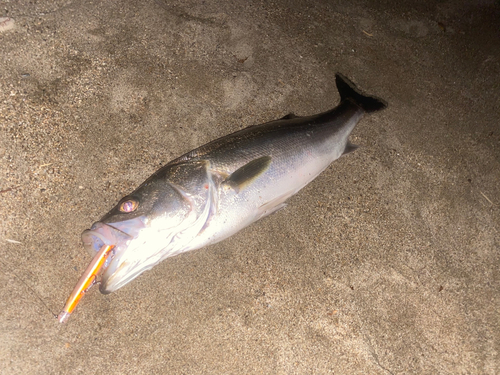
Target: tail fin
[(348, 90)]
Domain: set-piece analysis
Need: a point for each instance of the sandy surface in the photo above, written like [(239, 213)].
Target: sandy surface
[(388, 263)]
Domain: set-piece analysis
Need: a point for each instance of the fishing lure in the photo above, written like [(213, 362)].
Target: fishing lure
[(87, 280)]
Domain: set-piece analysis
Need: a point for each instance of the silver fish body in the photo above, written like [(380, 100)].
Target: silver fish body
[(218, 189)]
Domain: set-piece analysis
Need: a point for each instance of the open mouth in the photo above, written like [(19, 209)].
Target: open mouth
[(118, 235), (106, 244)]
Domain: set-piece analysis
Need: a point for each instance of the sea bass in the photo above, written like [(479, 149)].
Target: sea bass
[(218, 189)]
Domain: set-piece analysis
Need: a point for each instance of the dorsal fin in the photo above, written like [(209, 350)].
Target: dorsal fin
[(289, 116)]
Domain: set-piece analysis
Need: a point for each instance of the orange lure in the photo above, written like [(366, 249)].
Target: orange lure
[(86, 281)]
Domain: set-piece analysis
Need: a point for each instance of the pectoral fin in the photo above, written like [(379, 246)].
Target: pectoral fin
[(244, 175)]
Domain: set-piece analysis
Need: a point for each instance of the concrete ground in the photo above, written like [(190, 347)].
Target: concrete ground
[(388, 263)]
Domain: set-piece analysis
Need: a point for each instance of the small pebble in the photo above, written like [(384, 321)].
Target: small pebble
[(6, 23)]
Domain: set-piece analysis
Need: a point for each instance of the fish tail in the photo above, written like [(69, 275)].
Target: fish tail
[(349, 91)]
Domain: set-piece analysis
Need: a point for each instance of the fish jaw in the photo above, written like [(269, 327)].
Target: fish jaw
[(119, 234), (138, 255)]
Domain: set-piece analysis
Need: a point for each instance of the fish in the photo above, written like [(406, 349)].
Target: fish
[(214, 191)]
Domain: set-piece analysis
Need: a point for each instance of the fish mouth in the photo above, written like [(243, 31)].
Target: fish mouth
[(118, 235)]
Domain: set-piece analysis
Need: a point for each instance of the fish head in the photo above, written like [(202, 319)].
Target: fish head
[(143, 228)]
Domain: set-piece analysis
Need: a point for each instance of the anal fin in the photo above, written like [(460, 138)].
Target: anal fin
[(349, 147)]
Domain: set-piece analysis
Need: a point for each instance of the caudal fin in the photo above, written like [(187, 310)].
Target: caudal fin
[(348, 90)]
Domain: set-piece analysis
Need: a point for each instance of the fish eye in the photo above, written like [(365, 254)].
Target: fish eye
[(129, 205)]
